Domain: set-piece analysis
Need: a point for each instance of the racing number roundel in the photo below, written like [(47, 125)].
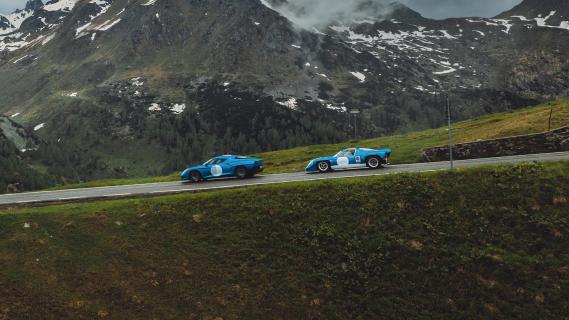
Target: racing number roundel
[(216, 171), (343, 162)]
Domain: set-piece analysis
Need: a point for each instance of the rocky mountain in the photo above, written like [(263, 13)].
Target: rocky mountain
[(544, 13), (146, 86)]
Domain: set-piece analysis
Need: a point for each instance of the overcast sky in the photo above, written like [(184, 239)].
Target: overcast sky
[(429, 8), (461, 8), (7, 6)]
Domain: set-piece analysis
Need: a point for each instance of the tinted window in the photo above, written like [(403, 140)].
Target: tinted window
[(214, 161)]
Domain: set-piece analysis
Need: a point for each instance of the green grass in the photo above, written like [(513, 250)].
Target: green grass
[(117, 182), (470, 244), (407, 147)]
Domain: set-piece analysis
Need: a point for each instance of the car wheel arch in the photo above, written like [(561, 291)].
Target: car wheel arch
[(242, 166)]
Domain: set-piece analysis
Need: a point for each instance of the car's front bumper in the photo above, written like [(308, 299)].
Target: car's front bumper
[(311, 167), (185, 175)]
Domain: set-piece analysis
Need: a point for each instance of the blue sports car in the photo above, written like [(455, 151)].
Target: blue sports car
[(223, 167), (350, 158)]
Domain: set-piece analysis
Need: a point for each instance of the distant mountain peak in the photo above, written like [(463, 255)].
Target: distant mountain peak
[(401, 12), (33, 5)]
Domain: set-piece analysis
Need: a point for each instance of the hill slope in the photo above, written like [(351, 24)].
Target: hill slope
[(391, 247)]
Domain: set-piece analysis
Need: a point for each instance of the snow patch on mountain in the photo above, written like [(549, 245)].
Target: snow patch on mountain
[(15, 20), (155, 107), (15, 41), (104, 6), (332, 107), (449, 70), (137, 82), (61, 5), (178, 108), (359, 75), (291, 103), (47, 39), (150, 3), (107, 25), (541, 21)]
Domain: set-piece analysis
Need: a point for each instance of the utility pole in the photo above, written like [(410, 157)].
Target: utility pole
[(450, 143), (550, 116), (355, 112)]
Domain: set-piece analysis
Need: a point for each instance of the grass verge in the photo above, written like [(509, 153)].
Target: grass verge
[(475, 243)]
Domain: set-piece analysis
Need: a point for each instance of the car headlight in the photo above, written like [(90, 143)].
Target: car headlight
[(310, 164)]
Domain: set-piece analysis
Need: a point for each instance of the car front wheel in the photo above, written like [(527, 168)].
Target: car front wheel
[(323, 166), (373, 163), (195, 176)]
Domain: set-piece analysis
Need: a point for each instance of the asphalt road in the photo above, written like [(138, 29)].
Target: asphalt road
[(178, 187)]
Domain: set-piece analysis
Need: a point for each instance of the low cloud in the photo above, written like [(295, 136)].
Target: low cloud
[(321, 13)]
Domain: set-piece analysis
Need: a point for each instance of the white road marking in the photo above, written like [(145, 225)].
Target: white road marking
[(70, 198), (120, 195)]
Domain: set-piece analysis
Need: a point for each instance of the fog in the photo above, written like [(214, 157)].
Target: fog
[(321, 13)]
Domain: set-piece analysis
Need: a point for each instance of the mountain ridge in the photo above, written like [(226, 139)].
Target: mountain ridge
[(546, 13)]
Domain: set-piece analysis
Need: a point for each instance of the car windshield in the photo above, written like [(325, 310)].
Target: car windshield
[(213, 161), (345, 153)]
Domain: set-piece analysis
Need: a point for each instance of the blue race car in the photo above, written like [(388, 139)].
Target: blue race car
[(223, 167), (350, 158)]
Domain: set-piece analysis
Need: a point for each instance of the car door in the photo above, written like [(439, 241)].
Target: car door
[(358, 157), (228, 168)]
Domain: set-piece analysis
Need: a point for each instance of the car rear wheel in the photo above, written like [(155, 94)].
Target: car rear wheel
[(323, 166), (373, 162), (195, 176), (241, 172)]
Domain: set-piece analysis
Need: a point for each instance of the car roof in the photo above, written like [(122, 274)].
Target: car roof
[(229, 156)]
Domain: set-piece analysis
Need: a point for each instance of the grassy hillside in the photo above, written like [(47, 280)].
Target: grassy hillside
[(469, 244), (408, 147)]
